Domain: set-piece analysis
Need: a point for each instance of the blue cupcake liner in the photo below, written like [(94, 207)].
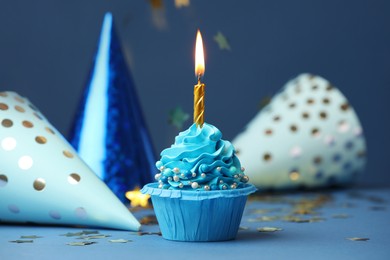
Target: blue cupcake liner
[(198, 215)]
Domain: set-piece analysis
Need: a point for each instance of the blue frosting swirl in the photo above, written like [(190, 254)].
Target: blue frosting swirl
[(200, 160)]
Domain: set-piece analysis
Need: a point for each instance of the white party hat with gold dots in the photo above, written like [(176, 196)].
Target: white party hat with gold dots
[(43, 180), (308, 136)]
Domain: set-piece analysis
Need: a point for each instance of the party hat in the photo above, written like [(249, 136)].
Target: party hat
[(308, 136), (109, 131), (43, 180)]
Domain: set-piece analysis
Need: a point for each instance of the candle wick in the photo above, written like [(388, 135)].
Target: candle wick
[(199, 76)]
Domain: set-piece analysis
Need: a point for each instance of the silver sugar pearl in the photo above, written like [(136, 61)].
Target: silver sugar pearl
[(235, 176), (194, 174), (182, 175), (162, 168), (220, 181), (194, 185), (160, 186), (176, 170), (206, 187), (219, 169), (176, 178), (157, 176), (224, 187), (245, 179), (169, 178), (203, 175), (242, 169), (181, 185)]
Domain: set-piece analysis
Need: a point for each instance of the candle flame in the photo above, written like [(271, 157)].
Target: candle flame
[(199, 56)]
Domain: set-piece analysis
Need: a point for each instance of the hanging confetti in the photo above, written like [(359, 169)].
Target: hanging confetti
[(149, 220), (177, 117), (222, 41)]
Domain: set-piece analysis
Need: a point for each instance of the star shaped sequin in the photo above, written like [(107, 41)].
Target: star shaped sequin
[(177, 117), (137, 198), (222, 41)]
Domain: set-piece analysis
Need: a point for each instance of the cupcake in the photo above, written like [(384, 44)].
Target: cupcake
[(201, 190)]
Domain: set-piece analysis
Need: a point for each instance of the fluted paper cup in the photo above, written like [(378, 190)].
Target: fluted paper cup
[(185, 215), (308, 136)]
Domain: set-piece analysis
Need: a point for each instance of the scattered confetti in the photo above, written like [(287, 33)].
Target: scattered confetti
[(137, 198), (182, 3), (143, 233), (222, 41), (341, 216), (20, 241), (269, 229), (264, 219), (82, 233), (83, 243), (149, 220), (243, 228), (377, 208), (358, 238), (119, 241), (177, 117), (31, 237), (93, 237)]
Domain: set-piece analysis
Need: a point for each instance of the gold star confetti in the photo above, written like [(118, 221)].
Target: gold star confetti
[(269, 229), (222, 41), (20, 241), (137, 198), (119, 241), (358, 238), (182, 3)]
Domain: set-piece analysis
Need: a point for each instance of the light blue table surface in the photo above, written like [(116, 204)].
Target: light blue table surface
[(345, 213)]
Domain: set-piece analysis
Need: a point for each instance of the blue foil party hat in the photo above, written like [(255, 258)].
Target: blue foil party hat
[(109, 131)]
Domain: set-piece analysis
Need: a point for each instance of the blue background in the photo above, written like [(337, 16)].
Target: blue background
[(47, 47)]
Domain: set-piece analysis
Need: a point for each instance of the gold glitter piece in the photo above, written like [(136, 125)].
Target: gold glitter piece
[(67, 154), (74, 178), (39, 184), (19, 109), (7, 123), (269, 229), (49, 130), (267, 157), (19, 99), (27, 124), (344, 107), (358, 238), (40, 139), (3, 106)]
